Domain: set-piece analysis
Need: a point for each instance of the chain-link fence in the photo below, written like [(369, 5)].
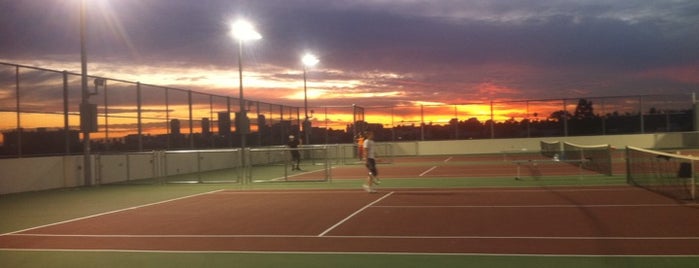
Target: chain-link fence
[(535, 118), (40, 115)]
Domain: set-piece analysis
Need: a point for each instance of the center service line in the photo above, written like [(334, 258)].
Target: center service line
[(427, 171), (353, 214)]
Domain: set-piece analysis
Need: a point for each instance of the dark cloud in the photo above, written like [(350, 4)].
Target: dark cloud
[(456, 48)]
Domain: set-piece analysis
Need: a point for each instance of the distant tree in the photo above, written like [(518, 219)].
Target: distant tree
[(560, 115), (584, 110)]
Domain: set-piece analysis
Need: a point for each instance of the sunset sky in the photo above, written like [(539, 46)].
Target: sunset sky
[(372, 52)]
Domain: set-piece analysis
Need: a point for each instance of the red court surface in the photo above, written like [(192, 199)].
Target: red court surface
[(553, 220), (527, 166), (507, 170), (465, 166)]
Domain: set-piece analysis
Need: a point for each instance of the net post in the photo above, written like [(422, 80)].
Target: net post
[(241, 163), (288, 163), (199, 158), (328, 167), (693, 187), (628, 165)]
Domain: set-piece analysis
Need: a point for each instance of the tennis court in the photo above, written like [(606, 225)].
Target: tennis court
[(436, 206), (576, 221)]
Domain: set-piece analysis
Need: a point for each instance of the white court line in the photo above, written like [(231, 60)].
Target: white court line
[(552, 189), (353, 214), (292, 175), (109, 212), (540, 206), (427, 171), (403, 253), (447, 160), (402, 237)]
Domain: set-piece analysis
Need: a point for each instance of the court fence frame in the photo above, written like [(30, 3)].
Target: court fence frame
[(204, 166)]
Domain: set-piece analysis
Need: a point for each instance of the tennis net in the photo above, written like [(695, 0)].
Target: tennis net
[(275, 164), (669, 174), (349, 153), (596, 158), (550, 148)]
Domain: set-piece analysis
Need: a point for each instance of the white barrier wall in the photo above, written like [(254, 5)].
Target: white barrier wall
[(532, 144), (117, 165), (42, 173)]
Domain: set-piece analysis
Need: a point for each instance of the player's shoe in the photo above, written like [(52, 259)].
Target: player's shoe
[(368, 188), (374, 179)]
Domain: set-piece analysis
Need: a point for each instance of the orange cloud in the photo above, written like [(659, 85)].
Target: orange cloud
[(494, 91), (684, 74)]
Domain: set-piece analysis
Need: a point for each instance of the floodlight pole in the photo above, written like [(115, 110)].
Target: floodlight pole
[(87, 163), (242, 112), (242, 31), (306, 129)]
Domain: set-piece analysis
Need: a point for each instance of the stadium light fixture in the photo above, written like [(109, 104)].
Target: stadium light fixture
[(243, 30)]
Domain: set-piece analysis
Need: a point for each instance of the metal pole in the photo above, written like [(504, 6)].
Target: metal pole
[(492, 121), (326, 125), (139, 116), (229, 137), (640, 114), (191, 119), (565, 119), (393, 125), (106, 116), (422, 122), (87, 164), (241, 131), (66, 122), (167, 117), (18, 112), (354, 121), (695, 105), (305, 108)]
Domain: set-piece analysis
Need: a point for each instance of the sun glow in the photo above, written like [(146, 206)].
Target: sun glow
[(277, 85)]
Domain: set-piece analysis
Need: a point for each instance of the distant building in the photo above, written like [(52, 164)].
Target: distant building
[(224, 124), (205, 127), (175, 126), (42, 141)]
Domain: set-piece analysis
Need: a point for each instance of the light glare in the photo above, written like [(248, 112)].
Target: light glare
[(243, 31), (309, 60)]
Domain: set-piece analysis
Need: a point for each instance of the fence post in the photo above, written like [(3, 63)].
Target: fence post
[(139, 117)]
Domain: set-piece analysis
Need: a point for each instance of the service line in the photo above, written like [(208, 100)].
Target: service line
[(427, 171), (354, 214)]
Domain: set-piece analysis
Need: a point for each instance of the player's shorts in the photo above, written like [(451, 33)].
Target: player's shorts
[(371, 166)]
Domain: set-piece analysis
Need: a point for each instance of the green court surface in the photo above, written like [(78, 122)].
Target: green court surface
[(28, 210)]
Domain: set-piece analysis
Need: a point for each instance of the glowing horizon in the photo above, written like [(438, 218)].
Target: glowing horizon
[(269, 84)]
